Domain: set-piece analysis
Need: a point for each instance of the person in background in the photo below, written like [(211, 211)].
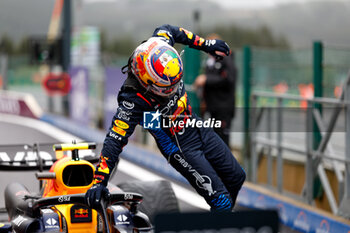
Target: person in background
[(154, 91), (218, 90)]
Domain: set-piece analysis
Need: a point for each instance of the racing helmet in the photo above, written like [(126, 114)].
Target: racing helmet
[(157, 66)]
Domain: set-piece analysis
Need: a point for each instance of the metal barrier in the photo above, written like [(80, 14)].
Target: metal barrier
[(316, 158)]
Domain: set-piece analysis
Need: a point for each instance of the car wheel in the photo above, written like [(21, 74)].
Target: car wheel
[(158, 196)]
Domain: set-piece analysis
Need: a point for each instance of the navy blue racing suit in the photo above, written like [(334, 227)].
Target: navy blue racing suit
[(192, 148)]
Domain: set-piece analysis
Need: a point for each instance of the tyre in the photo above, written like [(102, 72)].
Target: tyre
[(158, 196), (14, 200)]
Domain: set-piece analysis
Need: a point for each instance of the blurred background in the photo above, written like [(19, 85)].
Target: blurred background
[(33, 42)]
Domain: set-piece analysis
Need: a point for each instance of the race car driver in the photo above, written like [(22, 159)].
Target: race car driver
[(153, 95)]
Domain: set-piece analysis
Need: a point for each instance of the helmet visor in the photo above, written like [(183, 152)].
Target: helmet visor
[(164, 91)]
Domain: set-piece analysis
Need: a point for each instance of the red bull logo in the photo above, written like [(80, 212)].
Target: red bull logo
[(80, 214), (188, 33), (140, 67), (103, 167), (198, 41), (81, 211), (181, 106), (98, 179)]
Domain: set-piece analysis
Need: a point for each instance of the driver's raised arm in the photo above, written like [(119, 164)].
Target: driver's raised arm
[(174, 34)]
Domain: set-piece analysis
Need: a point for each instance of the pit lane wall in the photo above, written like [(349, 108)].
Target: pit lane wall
[(294, 214), (20, 104)]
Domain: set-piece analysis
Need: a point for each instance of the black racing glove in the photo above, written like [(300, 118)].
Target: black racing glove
[(94, 194), (213, 46)]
